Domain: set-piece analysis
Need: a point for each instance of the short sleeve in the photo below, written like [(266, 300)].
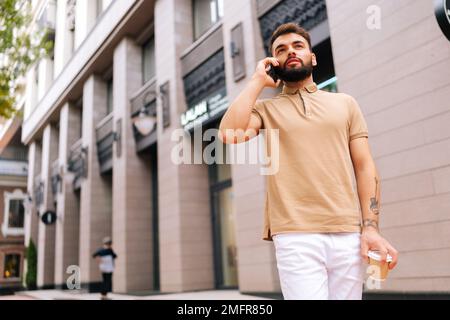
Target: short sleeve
[(258, 110), (358, 125)]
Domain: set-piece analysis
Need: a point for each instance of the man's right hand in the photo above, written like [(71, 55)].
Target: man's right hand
[(238, 117), (261, 75)]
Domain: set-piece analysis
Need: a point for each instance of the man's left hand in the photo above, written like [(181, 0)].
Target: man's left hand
[(372, 240)]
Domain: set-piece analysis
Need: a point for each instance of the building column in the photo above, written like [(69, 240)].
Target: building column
[(68, 207), (46, 238), (34, 169), (96, 191), (257, 267), (64, 38), (132, 205), (85, 16), (185, 228)]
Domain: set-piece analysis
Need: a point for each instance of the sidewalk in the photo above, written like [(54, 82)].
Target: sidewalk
[(80, 295)]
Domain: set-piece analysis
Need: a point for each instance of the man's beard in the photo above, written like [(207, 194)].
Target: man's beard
[(295, 74)]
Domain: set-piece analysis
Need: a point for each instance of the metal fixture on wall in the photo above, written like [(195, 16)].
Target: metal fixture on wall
[(118, 137)]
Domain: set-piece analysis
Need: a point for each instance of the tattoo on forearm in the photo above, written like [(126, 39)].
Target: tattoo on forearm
[(370, 223), (373, 201)]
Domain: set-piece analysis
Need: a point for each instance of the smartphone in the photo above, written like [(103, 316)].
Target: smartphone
[(274, 72)]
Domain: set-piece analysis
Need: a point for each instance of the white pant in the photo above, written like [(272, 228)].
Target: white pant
[(320, 266)]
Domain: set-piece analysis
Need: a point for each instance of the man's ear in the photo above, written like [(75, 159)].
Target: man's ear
[(313, 60)]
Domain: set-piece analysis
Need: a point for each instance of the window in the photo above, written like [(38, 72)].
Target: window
[(14, 213), (324, 73), (46, 20), (12, 266), (109, 96), (330, 85), (206, 13), (224, 219), (148, 60)]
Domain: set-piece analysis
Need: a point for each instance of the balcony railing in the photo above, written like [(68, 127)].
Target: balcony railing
[(105, 139), (15, 153), (13, 168), (77, 163)]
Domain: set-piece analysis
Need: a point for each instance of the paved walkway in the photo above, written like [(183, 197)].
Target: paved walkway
[(80, 295)]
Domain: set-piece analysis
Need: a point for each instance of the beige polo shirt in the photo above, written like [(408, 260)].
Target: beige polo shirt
[(312, 191)]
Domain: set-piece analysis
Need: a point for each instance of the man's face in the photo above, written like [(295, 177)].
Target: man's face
[(295, 57)]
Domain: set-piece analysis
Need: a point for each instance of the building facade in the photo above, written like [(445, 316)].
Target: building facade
[(13, 201), (103, 111)]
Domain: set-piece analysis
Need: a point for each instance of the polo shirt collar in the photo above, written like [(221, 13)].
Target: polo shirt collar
[(311, 88)]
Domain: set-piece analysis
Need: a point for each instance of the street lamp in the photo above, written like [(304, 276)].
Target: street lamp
[(144, 122), (28, 203)]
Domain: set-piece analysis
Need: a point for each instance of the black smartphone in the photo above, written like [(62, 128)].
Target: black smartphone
[(274, 72)]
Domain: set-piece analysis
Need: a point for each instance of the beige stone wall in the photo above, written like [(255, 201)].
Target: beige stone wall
[(96, 190), (132, 203), (256, 258), (185, 237), (400, 75), (68, 203), (46, 233)]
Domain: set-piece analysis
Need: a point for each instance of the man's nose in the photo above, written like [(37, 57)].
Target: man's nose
[(291, 52)]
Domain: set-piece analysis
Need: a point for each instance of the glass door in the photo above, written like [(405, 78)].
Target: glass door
[(224, 226), (225, 237), (223, 216)]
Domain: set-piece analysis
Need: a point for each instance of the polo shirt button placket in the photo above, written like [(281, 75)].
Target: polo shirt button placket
[(305, 107)]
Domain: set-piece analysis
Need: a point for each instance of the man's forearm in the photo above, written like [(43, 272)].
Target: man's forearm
[(368, 182), (238, 114)]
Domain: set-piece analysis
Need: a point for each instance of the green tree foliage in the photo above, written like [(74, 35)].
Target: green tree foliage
[(20, 48), (31, 276)]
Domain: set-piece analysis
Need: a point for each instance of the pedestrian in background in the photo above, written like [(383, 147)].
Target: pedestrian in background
[(105, 257)]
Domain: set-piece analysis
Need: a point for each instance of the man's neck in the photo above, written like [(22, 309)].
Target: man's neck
[(300, 84)]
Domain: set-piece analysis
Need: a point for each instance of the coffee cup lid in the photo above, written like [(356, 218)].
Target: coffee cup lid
[(377, 256)]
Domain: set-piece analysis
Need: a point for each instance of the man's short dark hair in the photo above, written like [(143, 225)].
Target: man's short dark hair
[(286, 28)]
